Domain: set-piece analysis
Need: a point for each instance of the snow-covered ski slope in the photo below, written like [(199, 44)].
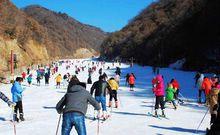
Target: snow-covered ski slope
[(129, 119)]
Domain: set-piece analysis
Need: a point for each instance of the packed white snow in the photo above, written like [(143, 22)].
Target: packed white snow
[(129, 119)]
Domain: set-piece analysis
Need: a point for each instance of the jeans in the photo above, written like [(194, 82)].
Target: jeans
[(73, 119), (200, 96), (102, 100)]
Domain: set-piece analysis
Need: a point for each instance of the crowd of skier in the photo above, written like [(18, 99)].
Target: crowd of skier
[(74, 103)]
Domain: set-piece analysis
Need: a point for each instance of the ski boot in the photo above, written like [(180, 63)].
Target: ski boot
[(105, 115), (156, 115), (163, 114), (97, 115), (110, 104), (175, 107), (22, 117), (199, 100), (181, 101), (15, 118), (116, 104)]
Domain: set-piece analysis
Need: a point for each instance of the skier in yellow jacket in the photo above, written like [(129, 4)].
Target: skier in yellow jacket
[(113, 93), (58, 80)]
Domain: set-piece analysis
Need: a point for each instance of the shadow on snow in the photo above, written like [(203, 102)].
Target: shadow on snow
[(131, 113), (179, 129)]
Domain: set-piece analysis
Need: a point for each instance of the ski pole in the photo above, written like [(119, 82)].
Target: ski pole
[(183, 96), (120, 101), (13, 122), (202, 120), (98, 124), (152, 108), (58, 124)]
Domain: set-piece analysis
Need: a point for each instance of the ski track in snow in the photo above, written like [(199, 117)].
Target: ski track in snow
[(129, 119)]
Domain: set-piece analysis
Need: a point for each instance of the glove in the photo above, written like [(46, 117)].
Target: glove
[(11, 104)]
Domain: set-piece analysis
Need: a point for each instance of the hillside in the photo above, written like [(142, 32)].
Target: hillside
[(66, 34), (37, 35), (22, 34), (169, 30)]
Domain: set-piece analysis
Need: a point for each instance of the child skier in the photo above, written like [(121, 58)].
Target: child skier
[(170, 95), (176, 86), (16, 91), (38, 77), (113, 93), (159, 93), (131, 81), (38, 80), (29, 79), (23, 75)]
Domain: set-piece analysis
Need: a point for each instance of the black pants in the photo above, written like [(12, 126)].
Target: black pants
[(113, 94), (46, 81), (38, 81), (131, 86), (58, 83), (19, 107), (159, 101), (176, 94)]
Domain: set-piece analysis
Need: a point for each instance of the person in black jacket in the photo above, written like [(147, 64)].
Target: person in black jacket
[(118, 71), (74, 107), (47, 77), (100, 87), (127, 79)]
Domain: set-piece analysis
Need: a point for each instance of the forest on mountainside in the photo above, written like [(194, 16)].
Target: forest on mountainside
[(170, 30)]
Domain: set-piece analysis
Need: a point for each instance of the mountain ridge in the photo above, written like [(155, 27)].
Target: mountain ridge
[(170, 30), (36, 42)]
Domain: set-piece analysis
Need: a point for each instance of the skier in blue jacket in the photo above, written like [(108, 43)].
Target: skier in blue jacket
[(16, 91)]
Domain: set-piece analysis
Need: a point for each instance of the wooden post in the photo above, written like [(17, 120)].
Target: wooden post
[(12, 63)]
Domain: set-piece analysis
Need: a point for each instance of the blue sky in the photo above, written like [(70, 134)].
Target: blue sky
[(109, 15)]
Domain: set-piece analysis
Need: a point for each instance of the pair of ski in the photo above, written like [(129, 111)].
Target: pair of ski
[(157, 116)]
